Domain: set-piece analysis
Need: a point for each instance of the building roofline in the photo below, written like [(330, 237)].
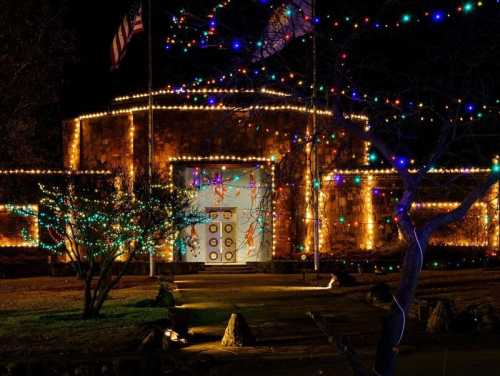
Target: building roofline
[(53, 172)]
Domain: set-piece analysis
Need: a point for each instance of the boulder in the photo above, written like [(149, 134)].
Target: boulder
[(380, 293), (440, 319), (422, 309), (238, 333), (464, 322), (379, 270), (484, 316), (165, 298), (13, 369), (341, 279)]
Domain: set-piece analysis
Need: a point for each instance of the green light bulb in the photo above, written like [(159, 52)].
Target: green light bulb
[(406, 18), (468, 7)]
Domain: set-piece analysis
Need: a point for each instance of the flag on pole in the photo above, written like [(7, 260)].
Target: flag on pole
[(131, 24), (289, 21)]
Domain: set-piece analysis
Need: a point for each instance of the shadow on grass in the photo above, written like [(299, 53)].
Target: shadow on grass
[(130, 313), (199, 338), (292, 340), (11, 313), (206, 316)]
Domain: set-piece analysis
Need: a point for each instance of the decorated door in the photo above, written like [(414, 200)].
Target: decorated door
[(221, 235)]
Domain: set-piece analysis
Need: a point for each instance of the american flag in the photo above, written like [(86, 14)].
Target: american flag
[(130, 25), (289, 21)]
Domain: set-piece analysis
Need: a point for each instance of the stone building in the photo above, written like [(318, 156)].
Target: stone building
[(246, 156)]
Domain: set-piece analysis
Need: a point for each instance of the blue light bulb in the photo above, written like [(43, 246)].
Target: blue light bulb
[(402, 162), (438, 16), (236, 45)]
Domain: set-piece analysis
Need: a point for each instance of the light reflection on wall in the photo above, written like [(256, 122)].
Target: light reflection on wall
[(12, 226), (475, 222), (368, 214)]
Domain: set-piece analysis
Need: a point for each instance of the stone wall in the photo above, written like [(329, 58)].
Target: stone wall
[(358, 213)]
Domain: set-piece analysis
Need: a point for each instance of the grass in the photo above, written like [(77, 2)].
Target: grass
[(39, 317)]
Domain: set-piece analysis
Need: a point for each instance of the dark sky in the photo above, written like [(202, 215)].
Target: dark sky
[(91, 84), (423, 61), (426, 61), (436, 60)]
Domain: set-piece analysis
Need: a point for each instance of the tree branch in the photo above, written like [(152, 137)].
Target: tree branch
[(460, 212)]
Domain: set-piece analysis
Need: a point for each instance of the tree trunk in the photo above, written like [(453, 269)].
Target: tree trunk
[(87, 299), (93, 304), (99, 301), (394, 323), (102, 289)]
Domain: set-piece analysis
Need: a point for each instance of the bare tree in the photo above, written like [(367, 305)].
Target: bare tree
[(417, 237), (35, 45)]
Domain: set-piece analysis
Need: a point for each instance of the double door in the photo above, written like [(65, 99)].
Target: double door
[(221, 235)]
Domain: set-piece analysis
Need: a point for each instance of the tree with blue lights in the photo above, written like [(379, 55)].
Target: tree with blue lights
[(101, 232)]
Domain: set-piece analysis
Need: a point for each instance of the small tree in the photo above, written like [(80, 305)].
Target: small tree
[(96, 229)]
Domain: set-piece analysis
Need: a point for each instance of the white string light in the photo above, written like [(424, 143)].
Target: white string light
[(53, 172), (270, 92)]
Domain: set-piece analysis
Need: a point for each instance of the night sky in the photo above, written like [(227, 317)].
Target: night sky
[(434, 62), (457, 56), (92, 84)]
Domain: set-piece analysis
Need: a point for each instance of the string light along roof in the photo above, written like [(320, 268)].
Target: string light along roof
[(53, 172), (229, 100), (388, 171), (231, 158), (218, 107), (203, 91)]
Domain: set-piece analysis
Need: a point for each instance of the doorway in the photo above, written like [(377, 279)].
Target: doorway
[(221, 235)]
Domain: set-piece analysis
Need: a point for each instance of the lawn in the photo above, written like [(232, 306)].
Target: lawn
[(42, 316), (39, 318)]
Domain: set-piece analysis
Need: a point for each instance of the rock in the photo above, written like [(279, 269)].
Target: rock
[(380, 293), (106, 370), (341, 279), (440, 319), (82, 371), (484, 316), (238, 333), (422, 309), (476, 318), (13, 369), (464, 322), (165, 298)]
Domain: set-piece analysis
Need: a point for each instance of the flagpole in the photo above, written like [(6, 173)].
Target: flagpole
[(314, 156), (150, 120)]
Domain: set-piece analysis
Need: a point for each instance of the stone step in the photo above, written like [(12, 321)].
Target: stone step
[(228, 269)]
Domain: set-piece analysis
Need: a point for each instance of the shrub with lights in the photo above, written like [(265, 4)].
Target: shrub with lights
[(101, 232)]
